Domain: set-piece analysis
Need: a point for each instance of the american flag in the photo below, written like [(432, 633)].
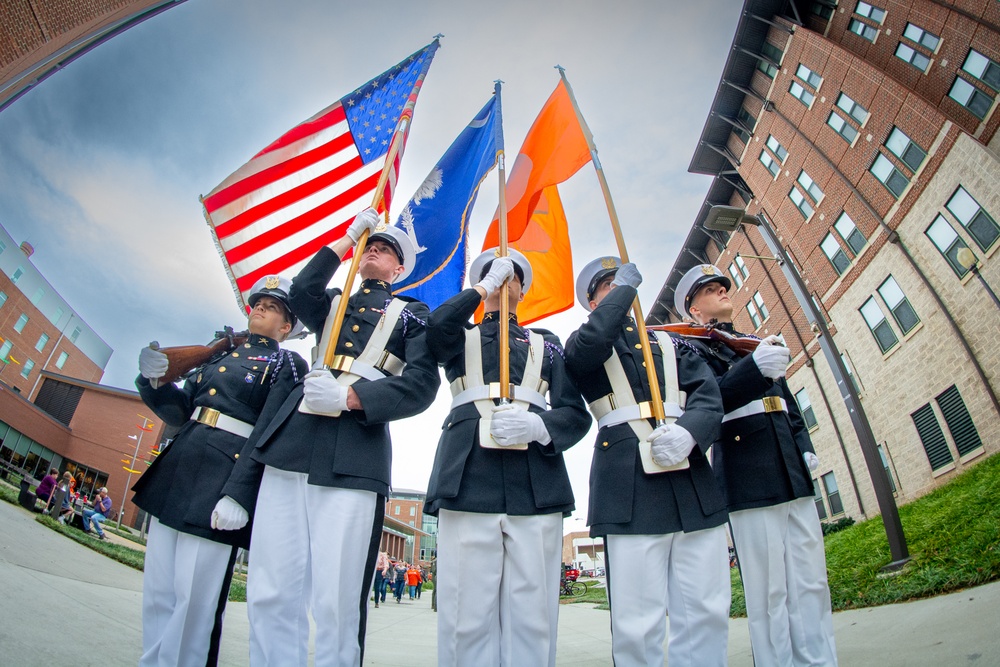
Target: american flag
[(301, 192)]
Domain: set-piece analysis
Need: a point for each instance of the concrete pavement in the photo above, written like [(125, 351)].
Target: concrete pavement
[(66, 604)]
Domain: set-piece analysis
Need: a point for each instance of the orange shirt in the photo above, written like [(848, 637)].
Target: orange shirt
[(412, 576)]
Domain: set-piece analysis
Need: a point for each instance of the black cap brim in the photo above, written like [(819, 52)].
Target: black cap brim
[(389, 241), (701, 282)]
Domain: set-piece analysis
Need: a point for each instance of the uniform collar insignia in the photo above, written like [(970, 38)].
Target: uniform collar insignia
[(375, 283), (494, 315)]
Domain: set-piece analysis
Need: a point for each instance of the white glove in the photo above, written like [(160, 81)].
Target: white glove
[(501, 269), (627, 274), (772, 340), (368, 219), (771, 359), (152, 363), (229, 515), (323, 394), (812, 461), (513, 425), (671, 444)]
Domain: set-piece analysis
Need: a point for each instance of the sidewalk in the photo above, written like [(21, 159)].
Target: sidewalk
[(56, 590)]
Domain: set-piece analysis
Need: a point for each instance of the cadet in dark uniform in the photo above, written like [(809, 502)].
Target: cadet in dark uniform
[(653, 497), (189, 563), (499, 485), (763, 458), (327, 455)]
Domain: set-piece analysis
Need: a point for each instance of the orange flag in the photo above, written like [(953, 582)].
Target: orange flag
[(554, 150), (545, 242)]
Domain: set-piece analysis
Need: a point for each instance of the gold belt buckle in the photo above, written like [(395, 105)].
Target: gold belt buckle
[(342, 363), (645, 410), (772, 403), (209, 417), (495, 390)]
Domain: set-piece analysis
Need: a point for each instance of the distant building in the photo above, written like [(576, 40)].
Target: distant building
[(407, 533), (583, 551), (866, 134), (52, 411)]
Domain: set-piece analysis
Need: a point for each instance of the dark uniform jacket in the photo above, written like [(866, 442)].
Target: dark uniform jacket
[(470, 478), (758, 459), (623, 498), (184, 482), (351, 451)]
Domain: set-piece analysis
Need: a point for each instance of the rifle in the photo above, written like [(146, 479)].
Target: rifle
[(741, 346), (183, 359)]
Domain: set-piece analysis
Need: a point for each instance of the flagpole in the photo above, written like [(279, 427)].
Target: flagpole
[(359, 248), (647, 352), (504, 294)]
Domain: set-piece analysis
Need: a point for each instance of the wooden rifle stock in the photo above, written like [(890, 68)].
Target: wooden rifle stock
[(183, 359), (741, 346)]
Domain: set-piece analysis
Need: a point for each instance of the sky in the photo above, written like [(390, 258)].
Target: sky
[(103, 163)]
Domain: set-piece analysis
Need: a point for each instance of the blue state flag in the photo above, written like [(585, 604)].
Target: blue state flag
[(437, 217)]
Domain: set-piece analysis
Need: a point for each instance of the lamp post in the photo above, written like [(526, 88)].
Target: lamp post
[(967, 258), (729, 219), (131, 468)]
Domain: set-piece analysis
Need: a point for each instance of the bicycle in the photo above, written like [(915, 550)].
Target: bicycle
[(572, 588)]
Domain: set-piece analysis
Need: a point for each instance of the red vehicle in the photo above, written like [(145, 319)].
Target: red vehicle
[(570, 585), (571, 574)]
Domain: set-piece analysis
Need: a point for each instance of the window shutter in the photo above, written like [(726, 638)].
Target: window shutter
[(932, 437), (956, 415)]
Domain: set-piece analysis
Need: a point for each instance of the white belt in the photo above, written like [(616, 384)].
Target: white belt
[(216, 419), (492, 390), (643, 410), (766, 404)]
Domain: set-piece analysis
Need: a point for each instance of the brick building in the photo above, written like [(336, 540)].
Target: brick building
[(52, 411), (406, 532), (865, 133)]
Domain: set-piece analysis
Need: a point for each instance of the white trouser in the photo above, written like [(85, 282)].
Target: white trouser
[(783, 565), (181, 584), (308, 552), (683, 574), (498, 589)]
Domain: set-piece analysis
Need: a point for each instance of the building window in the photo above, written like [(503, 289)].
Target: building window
[(842, 127), (61, 361), (932, 437), (21, 321), (811, 78), (863, 29), (885, 171), (742, 266), (948, 242), (754, 315), (925, 39), (3, 246), (42, 340), (396, 511), (970, 97), (910, 55), (3, 299), (850, 233), (759, 300), (879, 325), (831, 248), (903, 147), (900, 306), (76, 334), (977, 221), (734, 273), (959, 421), (18, 272), (818, 497), (5, 350), (777, 148), (801, 94), (26, 369), (852, 108), (769, 70), (810, 186), (800, 202), (850, 372), (885, 466), (772, 52), (413, 512), (870, 12), (772, 165), (39, 293), (983, 69), (833, 494), (805, 407)]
